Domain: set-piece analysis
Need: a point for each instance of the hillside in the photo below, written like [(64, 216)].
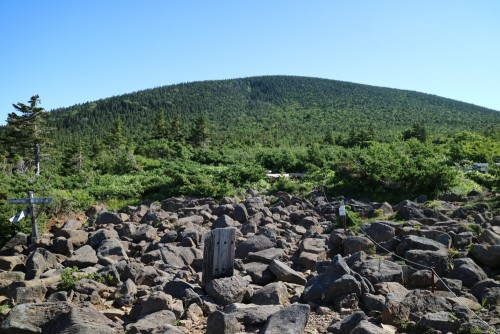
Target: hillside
[(346, 139), (274, 109)]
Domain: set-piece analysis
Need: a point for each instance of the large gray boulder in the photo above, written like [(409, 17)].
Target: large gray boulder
[(76, 238), (413, 306), (19, 239), (358, 243), (144, 233), (488, 255), (111, 251), (227, 290), (240, 213), (82, 257), (110, 218), (323, 289), (253, 244), (285, 273), (32, 318), (251, 314), (87, 286), (489, 237), (366, 327), (30, 294), (379, 270), (380, 232), (266, 255), (408, 210), (347, 324), (161, 322), (487, 291), (442, 321), (413, 242), (155, 302), (271, 294), (290, 320), (438, 260), (39, 261), (85, 320), (222, 323), (179, 257), (466, 270), (8, 263), (97, 237), (259, 272), (225, 221)]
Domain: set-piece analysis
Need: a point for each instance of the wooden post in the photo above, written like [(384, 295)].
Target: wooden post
[(218, 254), (34, 226), (432, 279)]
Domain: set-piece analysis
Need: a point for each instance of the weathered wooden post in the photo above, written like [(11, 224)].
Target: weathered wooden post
[(34, 226), (433, 286), (218, 254)]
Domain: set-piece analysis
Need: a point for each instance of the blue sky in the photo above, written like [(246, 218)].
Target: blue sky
[(76, 51)]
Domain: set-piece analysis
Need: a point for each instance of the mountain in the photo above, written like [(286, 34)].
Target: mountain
[(274, 109)]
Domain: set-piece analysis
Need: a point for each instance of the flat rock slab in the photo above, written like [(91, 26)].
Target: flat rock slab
[(290, 320), (251, 314), (379, 270), (286, 274), (266, 255)]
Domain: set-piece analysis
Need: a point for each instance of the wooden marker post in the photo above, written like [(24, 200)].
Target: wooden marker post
[(433, 286), (31, 201), (34, 226), (218, 254)]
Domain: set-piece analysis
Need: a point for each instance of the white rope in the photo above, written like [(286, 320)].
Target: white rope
[(418, 264)]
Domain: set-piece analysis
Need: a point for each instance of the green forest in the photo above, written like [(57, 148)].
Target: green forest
[(220, 138)]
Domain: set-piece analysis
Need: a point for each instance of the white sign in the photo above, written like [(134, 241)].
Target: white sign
[(342, 210), (19, 216)]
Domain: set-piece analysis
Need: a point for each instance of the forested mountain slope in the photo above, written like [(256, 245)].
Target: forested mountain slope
[(273, 109)]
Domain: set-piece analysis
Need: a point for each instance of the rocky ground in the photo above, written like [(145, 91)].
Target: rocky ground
[(140, 270)]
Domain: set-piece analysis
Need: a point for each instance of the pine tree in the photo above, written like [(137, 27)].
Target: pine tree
[(27, 132), (176, 130), (74, 159), (115, 138), (200, 134), (160, 130)]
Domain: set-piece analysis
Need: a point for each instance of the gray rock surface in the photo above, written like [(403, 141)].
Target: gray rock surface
[(292, 320), (227, 290)]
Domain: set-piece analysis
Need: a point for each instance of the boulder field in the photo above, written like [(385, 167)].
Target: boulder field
[(406, 268)]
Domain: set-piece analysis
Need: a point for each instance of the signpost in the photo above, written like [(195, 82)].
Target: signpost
[(31, 201)]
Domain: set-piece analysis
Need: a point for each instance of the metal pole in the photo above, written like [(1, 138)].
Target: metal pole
[(34, 226)]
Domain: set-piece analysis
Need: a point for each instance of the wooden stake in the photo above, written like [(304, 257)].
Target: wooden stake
[(34, 226), (218, 254), (432, 279)]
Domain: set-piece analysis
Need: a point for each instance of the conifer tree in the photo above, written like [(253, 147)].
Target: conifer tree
[(200, 134), (27, 132), (176, 130), (160, 130), (115, 138)]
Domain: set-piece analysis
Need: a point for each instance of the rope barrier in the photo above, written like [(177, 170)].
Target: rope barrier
[(420, 265)]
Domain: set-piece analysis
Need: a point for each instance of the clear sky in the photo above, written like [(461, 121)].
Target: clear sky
[(74, 51)]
